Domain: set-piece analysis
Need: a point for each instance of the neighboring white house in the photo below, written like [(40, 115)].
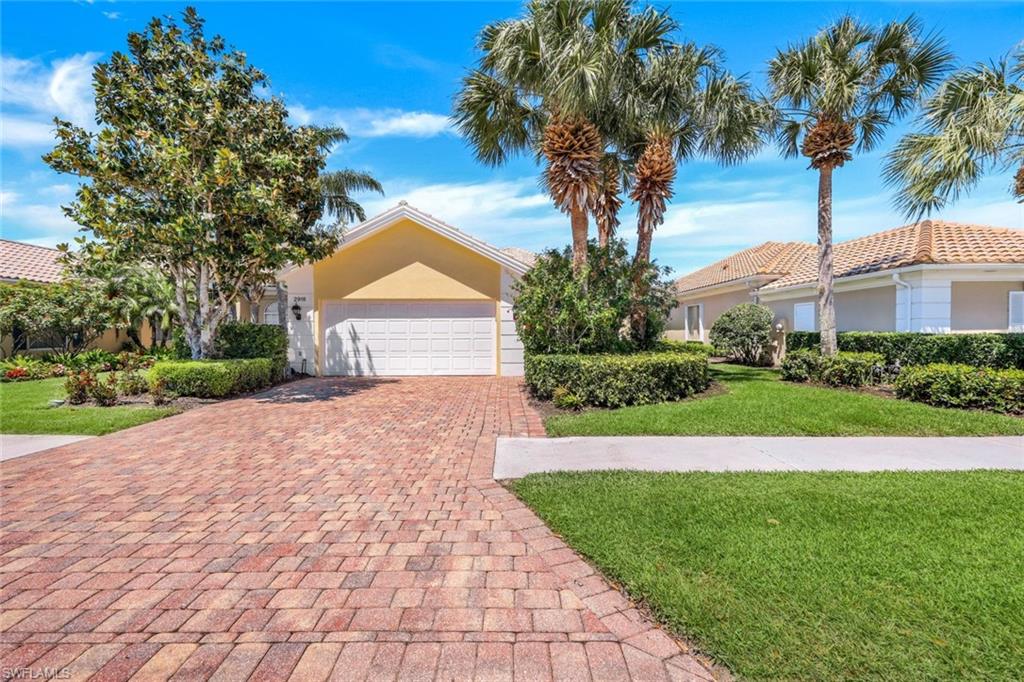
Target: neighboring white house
[(930, 276)]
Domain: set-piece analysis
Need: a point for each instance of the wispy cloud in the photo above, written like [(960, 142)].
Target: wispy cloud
[(398, 57), (503, 212), (39, 223), (364, 122), (32, 92), (113, 16)]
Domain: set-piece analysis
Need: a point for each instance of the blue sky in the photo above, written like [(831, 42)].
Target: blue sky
[(388, 72)]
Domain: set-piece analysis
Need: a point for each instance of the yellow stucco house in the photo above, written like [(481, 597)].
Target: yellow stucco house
[(404, 294)]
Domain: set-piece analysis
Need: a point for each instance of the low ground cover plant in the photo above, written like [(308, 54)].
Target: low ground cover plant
[(963, 386), (913, 348), (616, 380), (213, 378), (744, 333)]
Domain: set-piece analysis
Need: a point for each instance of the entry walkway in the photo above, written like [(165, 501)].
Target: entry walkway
[(517, 457)]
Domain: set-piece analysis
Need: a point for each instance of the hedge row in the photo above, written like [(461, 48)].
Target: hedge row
[(674, 346), (911, 348), (842, 369), (945, 385), (212, 378), (616, 380)]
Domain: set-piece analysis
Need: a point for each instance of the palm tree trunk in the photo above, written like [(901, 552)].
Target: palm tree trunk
[(826, 302), (580, 227)]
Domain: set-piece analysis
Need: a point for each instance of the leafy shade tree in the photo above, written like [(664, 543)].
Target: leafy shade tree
[(973, 123), (557, 311), (839, 91), (195, 171), (547, 83), (66, 315)]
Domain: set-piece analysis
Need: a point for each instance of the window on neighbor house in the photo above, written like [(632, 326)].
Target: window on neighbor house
[(1016, 311), (270, 315), (803, 317), (694, 322)]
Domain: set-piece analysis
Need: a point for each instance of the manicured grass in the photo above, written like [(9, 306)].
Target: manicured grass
[(755, 402), (813, 575), (24, 409)]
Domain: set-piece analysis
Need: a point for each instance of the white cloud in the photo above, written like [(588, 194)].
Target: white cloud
[(33, 92), (502, 212), (364, 122), (38, 223), (20, 132), (113, 16)]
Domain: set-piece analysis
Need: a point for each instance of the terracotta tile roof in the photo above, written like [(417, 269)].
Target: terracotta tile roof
[(928, 241), (27, 261), (770, 258), (522, 255)]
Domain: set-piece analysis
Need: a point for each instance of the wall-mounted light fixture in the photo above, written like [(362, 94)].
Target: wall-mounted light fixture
[(297, 311)]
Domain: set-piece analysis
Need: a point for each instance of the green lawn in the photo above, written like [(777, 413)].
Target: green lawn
[(24, 408), (813, 575), (755, 402)]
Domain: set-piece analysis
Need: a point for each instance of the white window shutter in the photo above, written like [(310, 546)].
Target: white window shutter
[(1017, 311)]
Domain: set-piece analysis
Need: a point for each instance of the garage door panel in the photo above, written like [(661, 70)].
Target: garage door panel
[(404, 338)]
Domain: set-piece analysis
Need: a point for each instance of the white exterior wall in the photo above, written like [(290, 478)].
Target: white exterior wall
[(301, 333), (510, 347)]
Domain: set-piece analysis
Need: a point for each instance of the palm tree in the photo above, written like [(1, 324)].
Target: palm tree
[(546, 83), (684, 106), (974, 122), (840, 90)]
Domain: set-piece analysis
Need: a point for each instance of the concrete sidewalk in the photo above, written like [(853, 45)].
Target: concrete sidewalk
[(517, 457), (12, 445)]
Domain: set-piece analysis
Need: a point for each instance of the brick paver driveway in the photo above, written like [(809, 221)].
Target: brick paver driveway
[(330, 528)]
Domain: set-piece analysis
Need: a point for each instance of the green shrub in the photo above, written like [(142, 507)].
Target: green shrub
[(96, 359), (744, 333), (104, 391), (673, 346), (564, 400), (852, 369), (801, 365), (213, 378), (77, 386), (557, 312), (611, 380), (132, 383), (842, 369), (946, 385), (911, 348), (245, 340)]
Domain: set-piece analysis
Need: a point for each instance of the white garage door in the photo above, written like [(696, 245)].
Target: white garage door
[(406, 338)]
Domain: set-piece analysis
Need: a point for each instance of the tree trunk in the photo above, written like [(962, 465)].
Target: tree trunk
[(282, 306), (826, 303), (133, 334), (579, 239), (206, 322), (603, 236)]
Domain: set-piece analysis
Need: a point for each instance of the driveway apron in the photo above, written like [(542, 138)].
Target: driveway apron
[(328, 529)]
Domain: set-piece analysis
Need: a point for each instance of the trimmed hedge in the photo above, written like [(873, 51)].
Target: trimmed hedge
[(212, 378), (945, 385), (843, 369), (673, 346), (911, 348), (245, 340), (617, 380)]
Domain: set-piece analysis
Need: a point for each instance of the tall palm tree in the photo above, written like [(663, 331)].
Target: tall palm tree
[(684, 106), (546, 83), (974, 122), (838, 91)]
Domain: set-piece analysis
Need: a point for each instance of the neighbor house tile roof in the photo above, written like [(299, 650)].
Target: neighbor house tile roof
[(27, 261), (928, 241), (522, 255), (770, 258)]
